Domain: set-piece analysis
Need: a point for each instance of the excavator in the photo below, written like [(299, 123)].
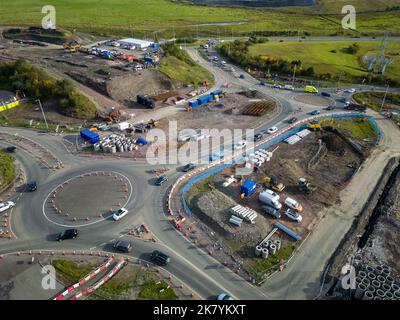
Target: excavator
[(72, 46), (318, 125), (272, 182), (152, 123), (111, 117), (306, 186)]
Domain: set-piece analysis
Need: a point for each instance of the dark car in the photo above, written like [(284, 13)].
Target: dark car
[(160, 180), (258, 136), (315, 112), (325, 94), (330, 108), (272, 211), (159, 258), (123, 246), (189, 167), (31, 186), (292, 120), (11, 149), (67, 234)]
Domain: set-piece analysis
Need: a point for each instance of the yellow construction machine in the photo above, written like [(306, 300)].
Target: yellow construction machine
[(71, 46), (272, 182), (318, 125)]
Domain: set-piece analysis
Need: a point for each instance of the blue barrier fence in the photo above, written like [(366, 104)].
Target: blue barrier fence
[(268, 144)]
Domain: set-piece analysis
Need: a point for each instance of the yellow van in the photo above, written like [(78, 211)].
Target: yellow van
[(311, 89)]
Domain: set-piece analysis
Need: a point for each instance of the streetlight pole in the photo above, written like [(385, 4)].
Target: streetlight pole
[(44, 117), (294, 74), (384, 98)]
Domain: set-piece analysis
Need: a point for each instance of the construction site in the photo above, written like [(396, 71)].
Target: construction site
[(312, 171)]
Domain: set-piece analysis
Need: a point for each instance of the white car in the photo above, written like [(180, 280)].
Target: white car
[(120, 213), (294, 216), (6, 205), (351, 90), (240, 145), (272, 130), (224, 296)]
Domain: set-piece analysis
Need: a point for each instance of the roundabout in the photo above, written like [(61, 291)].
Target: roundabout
[(314, 100), (102, 191)]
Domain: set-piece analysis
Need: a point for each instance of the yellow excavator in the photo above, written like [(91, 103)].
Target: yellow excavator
[(72, 46), (318, 125), (272, 182)]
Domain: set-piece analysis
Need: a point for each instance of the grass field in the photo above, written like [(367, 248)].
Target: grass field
[(142, 18), (374, 99), (6, 169), (359, 128), (320, 55)]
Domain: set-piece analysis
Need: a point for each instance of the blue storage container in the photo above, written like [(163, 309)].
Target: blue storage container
[(217, 92), (193, 104), (248, 188), (205, 99), (141, 140), (90, 136)]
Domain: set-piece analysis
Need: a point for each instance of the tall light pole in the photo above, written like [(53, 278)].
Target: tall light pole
[(44, 117), (384, 98), (294, 74)]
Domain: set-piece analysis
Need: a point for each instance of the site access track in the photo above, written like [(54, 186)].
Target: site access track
[(301, 279)]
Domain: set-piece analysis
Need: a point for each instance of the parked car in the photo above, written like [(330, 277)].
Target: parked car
[(189, 167), (31, 186), (325, 94), (258, 136), (123, 246), (292, 120), (293, 215), (119, 214), (159, 258), (224, 296), (6, 205), (315, 112), (331, 107), (11, 149), (272, 130), (293, 204), (272, 211), (67, 234), (160, 180)]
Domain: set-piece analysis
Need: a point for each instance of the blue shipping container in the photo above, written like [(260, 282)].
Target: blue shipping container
[(217, 92), (193, 104), (205, 99), (141, 140), (90, 136), (248, 188)]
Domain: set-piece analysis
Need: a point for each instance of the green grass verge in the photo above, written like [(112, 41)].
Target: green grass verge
[(374, 99), (359, 128), (142, 18), (150, 290), (329, 57), (69, 271), (6, 169)]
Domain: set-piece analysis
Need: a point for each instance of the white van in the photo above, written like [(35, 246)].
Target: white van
[(293, 204), (270, 198)]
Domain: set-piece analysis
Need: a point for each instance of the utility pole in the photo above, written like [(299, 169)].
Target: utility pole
[(294, 74), (384, 98), (44, 117)]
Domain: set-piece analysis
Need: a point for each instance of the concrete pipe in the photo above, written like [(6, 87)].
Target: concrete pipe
[(272, 249), (368, 295), (371, 276), (381, 279), (362, 274), (258, 251), (376, 284), (371, 288), (264, 253), (386, 287), (385, 272), (377, 298), (380, 293), (389, 280), (278, 244), (378, 270), (394, 288), (358, 280), (397, 295), (366, 282), (369, 269), (268, 243), (389, 295), (360, 290)]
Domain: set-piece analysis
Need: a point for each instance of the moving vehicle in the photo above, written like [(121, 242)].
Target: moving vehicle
[(189, 167), (272, 211), (270, 198), (351, 90), (325, 94), (67, 234), (160, 180), (292, 120), (31, 186), (293, 204), (272, 130), (331, 107), (217, 156), (159, 258), (240, 145), (258, 136), (315, 112), (224, 296), (288, 87), (11, 149), (123, 246), (119, 214), (6, 205), (311, 89), (293, 215)]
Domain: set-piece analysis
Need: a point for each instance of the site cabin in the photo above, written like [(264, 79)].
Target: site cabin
[(311, 89), (248, 188)]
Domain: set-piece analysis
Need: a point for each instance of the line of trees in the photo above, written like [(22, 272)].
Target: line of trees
[(35, 83)]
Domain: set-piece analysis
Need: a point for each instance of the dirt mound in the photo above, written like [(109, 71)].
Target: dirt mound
[(125, 88), (252, 94)]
